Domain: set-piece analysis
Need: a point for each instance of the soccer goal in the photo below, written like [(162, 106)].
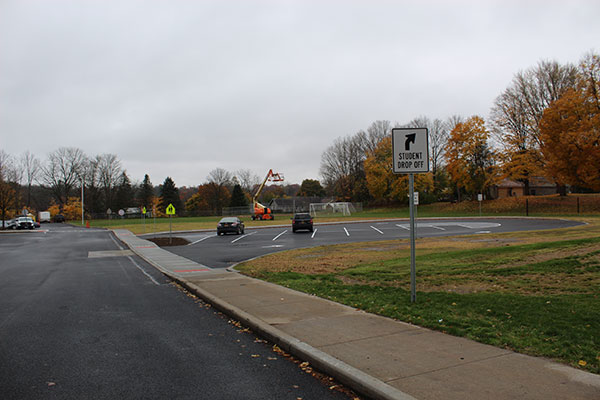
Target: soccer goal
[(323, 209)]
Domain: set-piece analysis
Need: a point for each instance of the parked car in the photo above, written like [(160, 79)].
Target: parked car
[(59, 218), (302, 221), (230, 224), (9, 224), (24, 223)]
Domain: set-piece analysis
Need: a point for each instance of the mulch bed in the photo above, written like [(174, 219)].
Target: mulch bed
[(165, 242)]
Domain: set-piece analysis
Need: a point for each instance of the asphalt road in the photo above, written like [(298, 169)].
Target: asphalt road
[(81, 320), (224, 251)]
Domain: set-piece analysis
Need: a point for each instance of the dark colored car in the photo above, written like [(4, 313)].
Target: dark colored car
[(230, 225), (302, 221), (59, 218)]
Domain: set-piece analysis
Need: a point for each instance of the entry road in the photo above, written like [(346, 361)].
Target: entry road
[(224, 251), (81, 318)]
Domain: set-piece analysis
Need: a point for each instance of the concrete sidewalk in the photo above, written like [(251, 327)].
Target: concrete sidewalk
[(378, 357)]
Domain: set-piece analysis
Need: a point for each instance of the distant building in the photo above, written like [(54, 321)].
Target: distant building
[(538, 186)]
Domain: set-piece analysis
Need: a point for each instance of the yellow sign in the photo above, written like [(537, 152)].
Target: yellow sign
[(170, 209), (144, 210)]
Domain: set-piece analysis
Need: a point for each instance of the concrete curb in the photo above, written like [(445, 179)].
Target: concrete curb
[(352, 377), (344, 373)]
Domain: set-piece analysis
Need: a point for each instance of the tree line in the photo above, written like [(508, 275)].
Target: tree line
[(58, 183), (546, 123)]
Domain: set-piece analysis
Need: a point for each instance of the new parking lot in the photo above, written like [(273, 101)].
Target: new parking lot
[(224, 251)]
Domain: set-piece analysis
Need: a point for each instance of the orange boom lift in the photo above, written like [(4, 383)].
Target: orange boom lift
[(261, 212)]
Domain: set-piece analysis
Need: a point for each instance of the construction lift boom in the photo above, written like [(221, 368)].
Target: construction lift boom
[(260, 211)]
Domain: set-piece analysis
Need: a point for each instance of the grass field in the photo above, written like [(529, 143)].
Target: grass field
[(535, 292)]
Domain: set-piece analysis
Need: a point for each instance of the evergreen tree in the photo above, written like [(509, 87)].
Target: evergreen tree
[(238, 198), (146, 193), (125, 193), (169, 194), (311, 188)]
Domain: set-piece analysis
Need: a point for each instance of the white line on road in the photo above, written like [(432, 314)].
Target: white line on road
[(143, 271), (198, 241), (403, 227), (314, 233), (277, 237), (346, 230), (243, 236), (464, 226), (437, 227), (377, 230)]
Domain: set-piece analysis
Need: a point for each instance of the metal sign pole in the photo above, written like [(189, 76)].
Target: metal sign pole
[(413, 268), (410, 153), (170, 233)]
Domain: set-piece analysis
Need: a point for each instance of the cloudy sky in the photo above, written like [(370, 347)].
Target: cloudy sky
[(180, 87)]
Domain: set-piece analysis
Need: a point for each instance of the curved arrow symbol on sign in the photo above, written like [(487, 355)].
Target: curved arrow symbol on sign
[(409, 139)]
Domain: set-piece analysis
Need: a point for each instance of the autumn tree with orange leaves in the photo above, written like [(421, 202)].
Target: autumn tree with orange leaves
[(385, 186), (517, 113), (470, 160), (570, 130)]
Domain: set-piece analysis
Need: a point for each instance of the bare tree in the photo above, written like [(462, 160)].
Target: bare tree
[(218, 181), (247, 179), (7, 192), (109, 172), (62, 171), (30, 166), (439, 133), (374, 134)]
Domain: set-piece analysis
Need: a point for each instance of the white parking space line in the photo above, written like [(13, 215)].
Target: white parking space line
[(314, 233), (376, 229), (436, 227), (277, 237), (346, 230), (200, 240), (403, 227), (243, 236), (464, 226)]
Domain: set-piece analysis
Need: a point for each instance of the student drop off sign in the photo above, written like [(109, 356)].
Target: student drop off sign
[(410, 150)]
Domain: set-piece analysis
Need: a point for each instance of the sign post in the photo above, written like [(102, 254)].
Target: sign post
[(170, 211), (410, 153), (480, 199), (144, 218)]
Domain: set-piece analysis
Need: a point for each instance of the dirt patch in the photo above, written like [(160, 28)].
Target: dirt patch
[(165, 241)]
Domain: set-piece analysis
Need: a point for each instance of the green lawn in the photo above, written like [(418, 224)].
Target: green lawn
[(540, 298)]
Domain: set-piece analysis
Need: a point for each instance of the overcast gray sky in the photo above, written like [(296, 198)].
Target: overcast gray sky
[(180, 87)]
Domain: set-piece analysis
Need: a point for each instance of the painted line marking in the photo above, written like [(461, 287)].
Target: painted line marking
[(243, 236), (483, 232), (403, 227), (346, 230), (377, 230), (437, 227), (464, 226), (314, 233), (145, 247), (200, 240), (143, 271), (277, 237)]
